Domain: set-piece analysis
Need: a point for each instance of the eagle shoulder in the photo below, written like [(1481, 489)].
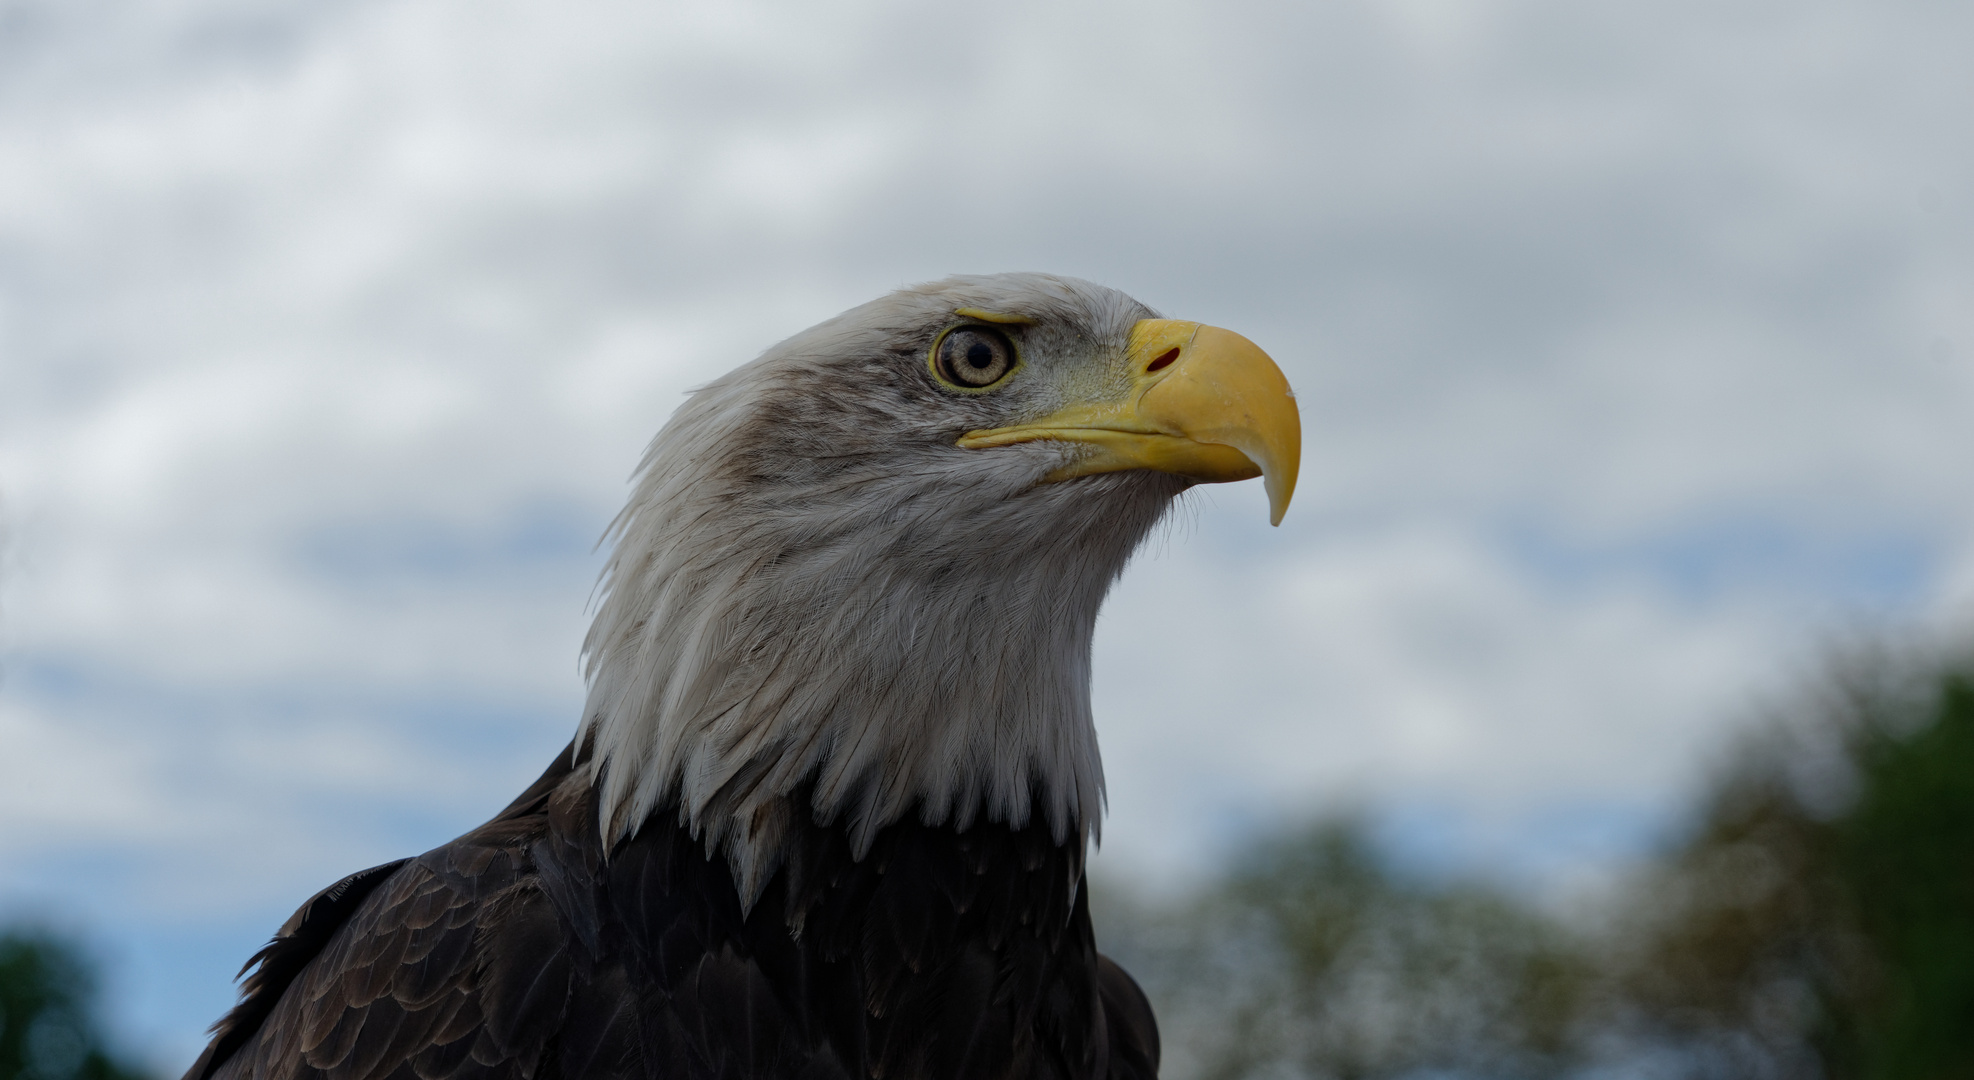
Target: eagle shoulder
[(521, 952), (442, 966)]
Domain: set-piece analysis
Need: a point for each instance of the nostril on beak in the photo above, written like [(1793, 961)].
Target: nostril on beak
[(1164, 360)]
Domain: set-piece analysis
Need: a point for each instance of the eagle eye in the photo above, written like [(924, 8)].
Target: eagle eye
[(972, 357)]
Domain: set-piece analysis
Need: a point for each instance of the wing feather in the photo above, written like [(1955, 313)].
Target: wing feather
[(519, 953), (448, 967), (1133, 1035)]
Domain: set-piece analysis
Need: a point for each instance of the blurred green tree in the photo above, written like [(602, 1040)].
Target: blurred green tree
[(1314, 959), (1820, 920), (1905, 853), (1816, 922), (48, 1027)]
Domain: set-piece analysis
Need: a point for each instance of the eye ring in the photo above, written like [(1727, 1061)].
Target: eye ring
[(973, 358)]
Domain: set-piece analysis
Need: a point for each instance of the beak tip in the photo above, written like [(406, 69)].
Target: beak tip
[(1280, 485)]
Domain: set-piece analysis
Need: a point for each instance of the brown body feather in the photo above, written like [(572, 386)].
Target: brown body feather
[(518, 952)]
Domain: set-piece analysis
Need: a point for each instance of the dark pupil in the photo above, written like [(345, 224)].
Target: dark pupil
[(980, 354)]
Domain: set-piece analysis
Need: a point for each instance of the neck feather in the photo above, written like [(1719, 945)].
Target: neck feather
[(851, 643)]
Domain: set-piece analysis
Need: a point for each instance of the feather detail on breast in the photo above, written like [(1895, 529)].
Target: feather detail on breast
[(522, 951)]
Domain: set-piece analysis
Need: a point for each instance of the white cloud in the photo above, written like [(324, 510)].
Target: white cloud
[(1405, 663)]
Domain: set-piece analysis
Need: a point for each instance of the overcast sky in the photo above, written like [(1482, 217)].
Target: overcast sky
[(1635, 347)]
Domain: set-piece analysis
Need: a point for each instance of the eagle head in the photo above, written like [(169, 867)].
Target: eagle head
[(858, 577)]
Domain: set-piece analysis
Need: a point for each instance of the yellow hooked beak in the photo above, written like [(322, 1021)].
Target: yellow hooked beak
[(1204, 403)]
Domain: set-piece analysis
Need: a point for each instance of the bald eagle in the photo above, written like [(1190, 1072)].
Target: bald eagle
[(826, 810)]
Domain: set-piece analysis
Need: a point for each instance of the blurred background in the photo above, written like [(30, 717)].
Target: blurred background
[(1592, 713)]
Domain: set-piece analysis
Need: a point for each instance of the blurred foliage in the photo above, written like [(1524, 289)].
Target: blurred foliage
[(1821, 920), (48, 1026), (1817, 921), (1907, 850), (1313, 959)]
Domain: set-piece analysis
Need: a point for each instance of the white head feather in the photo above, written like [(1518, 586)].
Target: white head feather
[(818, 604)]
